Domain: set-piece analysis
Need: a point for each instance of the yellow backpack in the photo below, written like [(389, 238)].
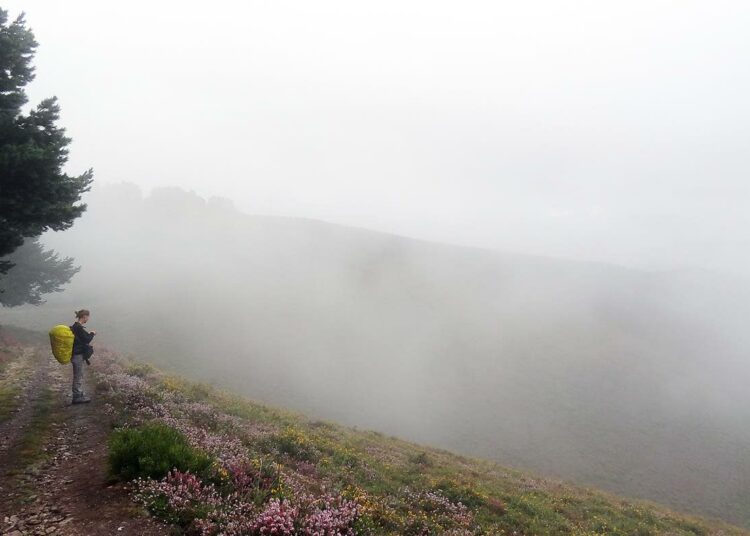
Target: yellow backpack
[(61, 338)]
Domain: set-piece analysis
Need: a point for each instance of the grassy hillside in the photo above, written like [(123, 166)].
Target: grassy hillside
[(274, 466)]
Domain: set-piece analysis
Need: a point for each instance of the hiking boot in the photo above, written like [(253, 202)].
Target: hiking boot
[(81, 400)]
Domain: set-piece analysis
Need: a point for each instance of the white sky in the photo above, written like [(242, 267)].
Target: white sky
[(613, 131)]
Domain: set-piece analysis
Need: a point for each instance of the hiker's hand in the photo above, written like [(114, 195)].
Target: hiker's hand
[(93, 332)]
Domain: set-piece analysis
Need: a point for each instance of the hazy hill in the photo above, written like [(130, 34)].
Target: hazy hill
[(632, 381)]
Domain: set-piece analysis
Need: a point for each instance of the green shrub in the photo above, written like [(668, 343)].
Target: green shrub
[(153, 450)]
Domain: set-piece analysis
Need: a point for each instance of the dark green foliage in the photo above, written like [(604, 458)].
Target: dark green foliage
[(35, 272), (153, 450), (17, 46), (35, 194)]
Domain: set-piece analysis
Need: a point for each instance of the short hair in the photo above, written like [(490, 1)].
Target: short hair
[(82, 313)]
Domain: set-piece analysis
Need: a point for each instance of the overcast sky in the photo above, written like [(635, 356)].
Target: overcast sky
[(614, 131)]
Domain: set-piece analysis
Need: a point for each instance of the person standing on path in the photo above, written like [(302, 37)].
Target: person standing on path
[(81, 349)]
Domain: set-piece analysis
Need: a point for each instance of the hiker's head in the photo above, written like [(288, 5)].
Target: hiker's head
[(83, 315)]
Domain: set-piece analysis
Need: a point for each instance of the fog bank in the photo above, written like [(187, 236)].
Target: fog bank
[(608, 376)]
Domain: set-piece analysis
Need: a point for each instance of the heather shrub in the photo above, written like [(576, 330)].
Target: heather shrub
[(459, 493), (152, 451), (421, 459), (439, 512), (141, 370), (345, 457), (180, 498), (295, 444), (191, 390), (255, 481), (332, 516), (278, 518)]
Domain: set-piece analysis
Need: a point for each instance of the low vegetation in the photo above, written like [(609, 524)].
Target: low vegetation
[(212, 463)]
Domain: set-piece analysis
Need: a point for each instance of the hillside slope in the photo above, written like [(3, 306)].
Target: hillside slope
[(611, 377), (321, 476)]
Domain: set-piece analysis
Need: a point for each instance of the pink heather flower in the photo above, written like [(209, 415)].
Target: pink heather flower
[(208, 512), (307, 469), (334, 519), (438, 504), (233, 519), (183, 492), (242, 475), (277, 519)]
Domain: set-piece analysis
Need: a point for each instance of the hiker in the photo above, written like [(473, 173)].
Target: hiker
[(81, 352)]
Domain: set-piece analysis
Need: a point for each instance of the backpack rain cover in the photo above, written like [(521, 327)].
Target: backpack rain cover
[(61, 338)]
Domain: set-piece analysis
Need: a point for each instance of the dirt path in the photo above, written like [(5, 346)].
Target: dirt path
[(28, 373), (53, 470)]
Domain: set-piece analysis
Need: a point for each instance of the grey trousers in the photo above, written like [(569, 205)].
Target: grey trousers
[(77, 362)]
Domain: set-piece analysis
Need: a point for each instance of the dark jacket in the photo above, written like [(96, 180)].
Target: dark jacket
[(82, 339)]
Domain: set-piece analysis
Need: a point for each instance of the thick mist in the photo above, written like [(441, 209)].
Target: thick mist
[(516, 230), (600, 131), (633, 381)]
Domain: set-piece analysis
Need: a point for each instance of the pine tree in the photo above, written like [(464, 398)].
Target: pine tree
[(35, 194), (35, 272)]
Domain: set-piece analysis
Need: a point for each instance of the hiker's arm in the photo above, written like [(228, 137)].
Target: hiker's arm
[(87, 337), (82, 334)]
